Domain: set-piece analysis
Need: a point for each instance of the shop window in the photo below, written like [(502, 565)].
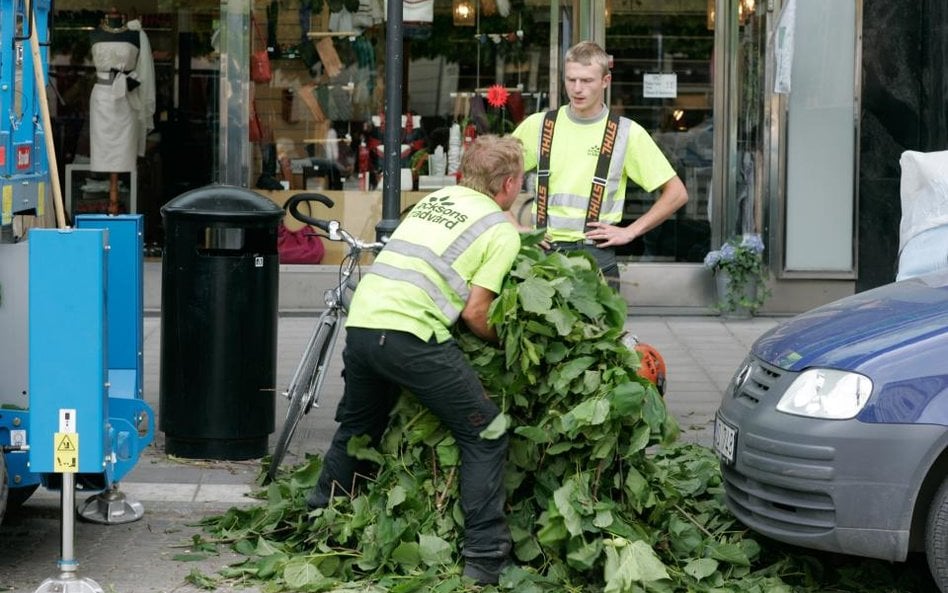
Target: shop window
[(177, 144), (661, 79), (322, 111)]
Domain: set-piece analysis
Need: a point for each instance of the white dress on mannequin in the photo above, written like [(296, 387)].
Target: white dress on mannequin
[(115, 127)]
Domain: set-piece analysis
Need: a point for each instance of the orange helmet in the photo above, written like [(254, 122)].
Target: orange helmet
[(651, 365)]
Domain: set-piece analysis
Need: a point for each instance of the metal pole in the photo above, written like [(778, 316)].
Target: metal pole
[(68, 580), (67, 561), (391, 180)]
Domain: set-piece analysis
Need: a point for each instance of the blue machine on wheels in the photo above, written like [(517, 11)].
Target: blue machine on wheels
[(72, 413)]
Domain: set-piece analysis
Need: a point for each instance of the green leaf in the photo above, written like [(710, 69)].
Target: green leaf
[(396, 496), (627, 399), (564, 505), (448, 453), (359, 448), (562, 321), (265, 548), (536, 296), (701, 568), (497, 427), (637, 488), (300, 573), (408, 554), (553, 530), (434, 550), (534, 434), (730, 553), (631, 562), (584, 555)]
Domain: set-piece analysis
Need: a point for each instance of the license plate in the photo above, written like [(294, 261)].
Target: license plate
[(725, 440)]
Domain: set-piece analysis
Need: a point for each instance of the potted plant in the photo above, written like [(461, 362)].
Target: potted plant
[(739, 275)]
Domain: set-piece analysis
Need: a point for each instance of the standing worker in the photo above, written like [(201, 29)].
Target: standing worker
[(584, 156), (447, 260)]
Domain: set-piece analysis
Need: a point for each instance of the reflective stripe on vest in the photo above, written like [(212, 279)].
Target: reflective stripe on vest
[(442, 265), (612, 203)]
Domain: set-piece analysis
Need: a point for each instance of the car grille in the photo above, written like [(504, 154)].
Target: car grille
[(770, 507), (761, 495), (759, 382)]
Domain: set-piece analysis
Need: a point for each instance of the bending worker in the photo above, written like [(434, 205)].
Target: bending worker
[(446, 261), (584, 156)]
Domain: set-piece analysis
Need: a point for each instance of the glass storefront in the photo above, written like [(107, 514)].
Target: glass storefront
[(180, 149), (694, 73), (318, 113)]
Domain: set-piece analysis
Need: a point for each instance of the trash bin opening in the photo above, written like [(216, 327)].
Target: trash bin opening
[(217, 239)]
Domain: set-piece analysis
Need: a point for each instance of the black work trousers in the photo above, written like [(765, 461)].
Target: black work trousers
[(605, 258), (378, 364)]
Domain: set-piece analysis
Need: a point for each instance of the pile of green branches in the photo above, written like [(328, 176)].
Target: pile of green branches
[(600, 496)]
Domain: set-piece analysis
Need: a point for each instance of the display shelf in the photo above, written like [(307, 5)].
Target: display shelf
[(88, 191)]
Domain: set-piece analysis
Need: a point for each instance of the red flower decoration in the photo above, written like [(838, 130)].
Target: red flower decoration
[(497, 96)]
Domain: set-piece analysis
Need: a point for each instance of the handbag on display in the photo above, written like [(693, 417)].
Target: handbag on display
[(260, 70), (302, 246)]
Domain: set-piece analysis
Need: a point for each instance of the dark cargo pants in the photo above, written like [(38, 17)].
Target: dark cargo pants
[(605, 258), (378, 363)]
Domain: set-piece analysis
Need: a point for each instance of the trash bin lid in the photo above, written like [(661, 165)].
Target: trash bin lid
[(225, 203)]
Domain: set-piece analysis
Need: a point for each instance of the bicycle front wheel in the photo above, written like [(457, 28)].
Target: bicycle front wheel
[(304, 387)]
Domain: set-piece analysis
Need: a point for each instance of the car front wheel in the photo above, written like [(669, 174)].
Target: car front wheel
[(936, 537)]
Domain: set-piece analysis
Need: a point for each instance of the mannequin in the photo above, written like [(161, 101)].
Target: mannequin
[(118, 118)]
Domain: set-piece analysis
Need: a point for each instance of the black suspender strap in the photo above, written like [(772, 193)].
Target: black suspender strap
[(598, 190), (543, 166)]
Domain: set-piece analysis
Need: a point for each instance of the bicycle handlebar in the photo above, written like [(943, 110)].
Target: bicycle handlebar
[(332, 228), (293, 205)]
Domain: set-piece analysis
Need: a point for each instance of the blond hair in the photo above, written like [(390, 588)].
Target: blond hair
[(588, 53), (489, 161)]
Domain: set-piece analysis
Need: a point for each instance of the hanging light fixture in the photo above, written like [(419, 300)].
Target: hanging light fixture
[(463, 11), (745, 9)]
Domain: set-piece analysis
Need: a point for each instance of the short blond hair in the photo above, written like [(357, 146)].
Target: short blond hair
[(588, 53), (489, 161)]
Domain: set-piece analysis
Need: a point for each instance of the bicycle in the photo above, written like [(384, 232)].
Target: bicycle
[(305, 386)]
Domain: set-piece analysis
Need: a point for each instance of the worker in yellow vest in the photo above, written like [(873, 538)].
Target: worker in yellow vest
[(446, 261), (584, 157)]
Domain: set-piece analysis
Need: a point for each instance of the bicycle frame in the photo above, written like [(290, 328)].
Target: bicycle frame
[(322, 340), (307, 382)]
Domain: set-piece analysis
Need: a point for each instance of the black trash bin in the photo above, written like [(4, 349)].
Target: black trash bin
[(219, 289)]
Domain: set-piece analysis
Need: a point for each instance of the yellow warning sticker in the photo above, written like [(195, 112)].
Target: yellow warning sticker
[(66, 452)]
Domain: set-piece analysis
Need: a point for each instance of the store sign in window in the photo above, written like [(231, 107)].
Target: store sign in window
[(659, 86)]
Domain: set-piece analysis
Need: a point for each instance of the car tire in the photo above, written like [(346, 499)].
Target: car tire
[(936, 537), (3, 485)]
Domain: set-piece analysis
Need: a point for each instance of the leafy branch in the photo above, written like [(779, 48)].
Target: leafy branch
[(600, 495)]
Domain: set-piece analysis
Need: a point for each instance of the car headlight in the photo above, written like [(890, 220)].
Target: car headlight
[(826, 393)]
